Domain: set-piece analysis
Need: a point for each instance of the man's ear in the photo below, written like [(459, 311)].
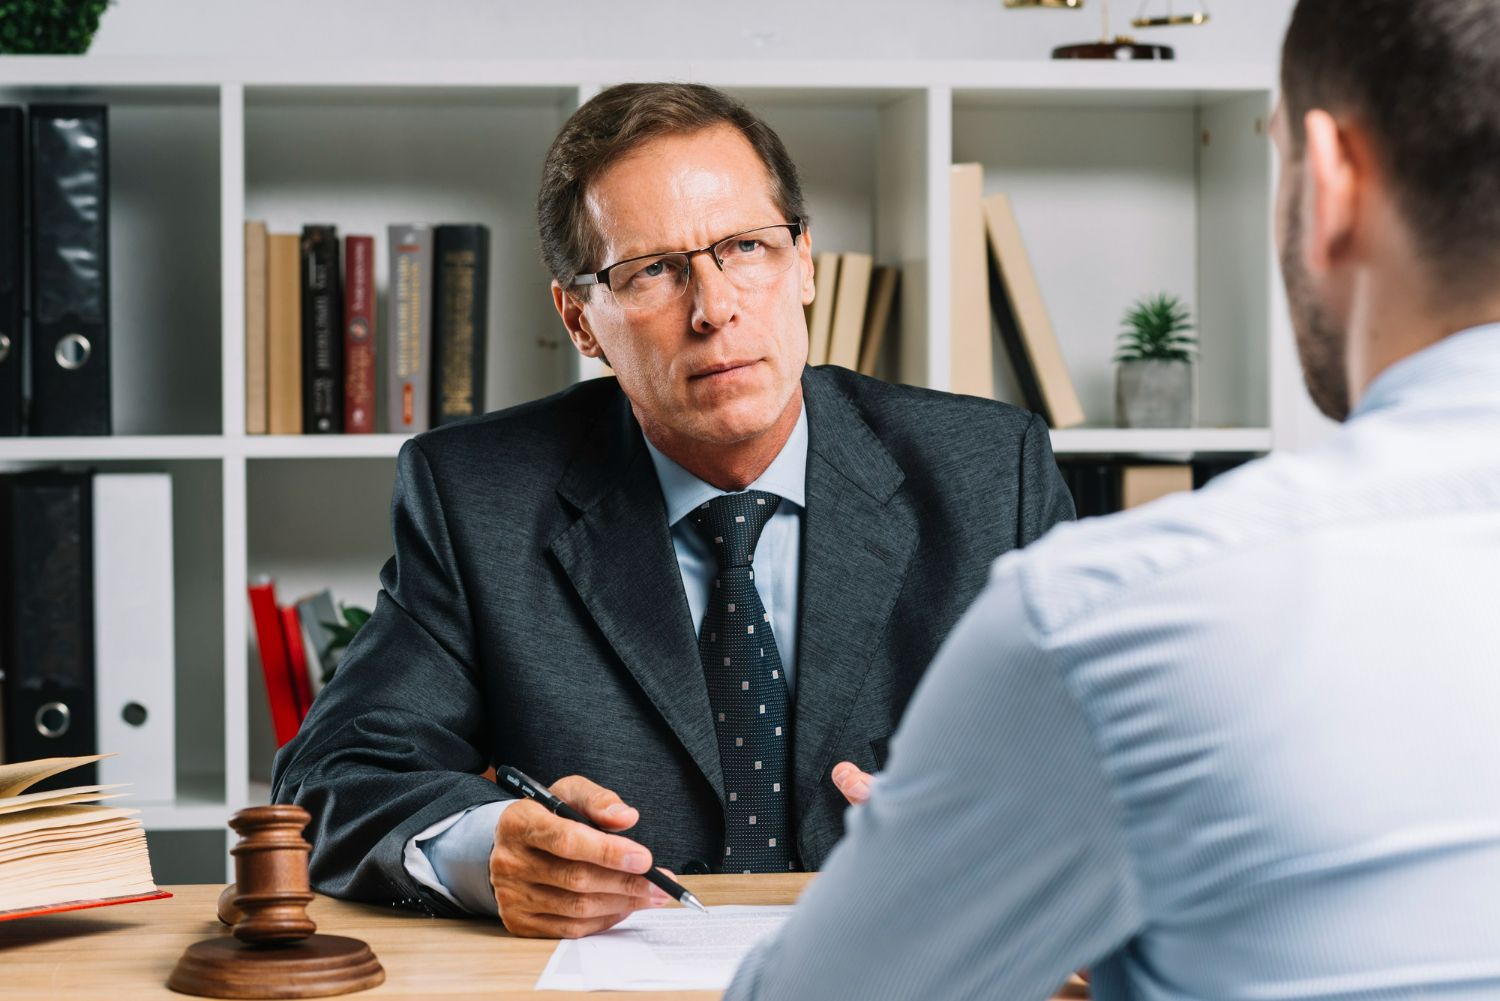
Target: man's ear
[(576, 321), (805, 262), (1336, 164)]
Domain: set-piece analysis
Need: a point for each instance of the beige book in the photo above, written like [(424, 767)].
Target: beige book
[(1144, 484), (820, 313), (1023, 320), (284, 334), (878, 317), (970, 352), (849, 309), (255, 328), (58, 849)]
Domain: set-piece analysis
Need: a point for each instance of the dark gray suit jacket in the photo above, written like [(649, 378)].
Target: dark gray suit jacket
[(534, 615)]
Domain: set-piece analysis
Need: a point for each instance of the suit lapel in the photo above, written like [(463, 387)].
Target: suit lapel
[(857, 543), (619, 557)]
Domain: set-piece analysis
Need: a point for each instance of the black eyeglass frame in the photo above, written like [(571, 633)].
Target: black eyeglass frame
[(602, 277)]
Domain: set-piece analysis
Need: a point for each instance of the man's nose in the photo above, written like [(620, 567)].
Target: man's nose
[(715, 298)]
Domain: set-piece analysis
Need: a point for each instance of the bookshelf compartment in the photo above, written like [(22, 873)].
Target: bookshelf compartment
[(311, 524), (1118, 202), (366, 158), (164, 278), (198, 634)]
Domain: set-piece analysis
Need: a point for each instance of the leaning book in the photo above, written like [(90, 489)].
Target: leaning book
[(64, 849)]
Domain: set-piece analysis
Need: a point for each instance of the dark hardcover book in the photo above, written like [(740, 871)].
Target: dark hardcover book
[(1207, 467), (1095, 485), (69, 270), (322, 332), (47, 616), (12, 268), (359, 334), (1009, 326), (461, 268)]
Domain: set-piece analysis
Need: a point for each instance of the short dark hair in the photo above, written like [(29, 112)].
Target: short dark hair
[(619, 120), (1422, 78)]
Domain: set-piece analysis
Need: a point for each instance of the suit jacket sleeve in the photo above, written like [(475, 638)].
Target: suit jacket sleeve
[(1045, 499), (393, 743)]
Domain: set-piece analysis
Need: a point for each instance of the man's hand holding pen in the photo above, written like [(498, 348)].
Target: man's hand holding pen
[(556, 878)]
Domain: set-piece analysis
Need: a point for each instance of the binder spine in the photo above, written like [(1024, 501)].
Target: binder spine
[(12, 268), (49, 617), (70, 270), (410, 321)]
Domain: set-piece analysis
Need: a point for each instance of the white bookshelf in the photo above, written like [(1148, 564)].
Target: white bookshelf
[(1127, 179)]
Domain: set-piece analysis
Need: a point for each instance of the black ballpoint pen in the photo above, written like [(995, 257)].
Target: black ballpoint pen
[(523, 785)]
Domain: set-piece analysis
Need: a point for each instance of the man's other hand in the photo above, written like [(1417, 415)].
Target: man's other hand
[(853, 783), (556, 878)]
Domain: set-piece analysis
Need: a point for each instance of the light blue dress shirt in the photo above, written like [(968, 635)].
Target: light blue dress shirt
[(452, 856), (1238, 744)]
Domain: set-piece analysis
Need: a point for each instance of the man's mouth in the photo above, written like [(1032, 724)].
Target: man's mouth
[(720, 368)]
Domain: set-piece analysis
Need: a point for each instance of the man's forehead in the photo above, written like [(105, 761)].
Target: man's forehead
[(680, 192)]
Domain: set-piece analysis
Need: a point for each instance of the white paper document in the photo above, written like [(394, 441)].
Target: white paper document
[(670, 949)]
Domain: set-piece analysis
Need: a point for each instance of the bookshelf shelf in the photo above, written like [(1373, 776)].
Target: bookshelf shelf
[(1164, 441), (1126, 179)]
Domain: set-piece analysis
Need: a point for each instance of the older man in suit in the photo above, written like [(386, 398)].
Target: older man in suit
[(684, 593)]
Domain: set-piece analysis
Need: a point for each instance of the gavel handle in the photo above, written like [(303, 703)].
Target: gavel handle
[(228, 913)]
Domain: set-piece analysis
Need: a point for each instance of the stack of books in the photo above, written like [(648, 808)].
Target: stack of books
[(848, 319), (312, 339)]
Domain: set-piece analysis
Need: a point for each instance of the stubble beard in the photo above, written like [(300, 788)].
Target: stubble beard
[(1322, 344)]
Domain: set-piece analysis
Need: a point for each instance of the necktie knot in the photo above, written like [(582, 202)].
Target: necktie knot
[(731, 524)]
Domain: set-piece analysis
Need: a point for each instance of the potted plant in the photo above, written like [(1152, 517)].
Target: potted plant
[(1154, 381), (49, 27)]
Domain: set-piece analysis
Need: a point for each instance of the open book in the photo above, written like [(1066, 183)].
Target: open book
[(62, 849)]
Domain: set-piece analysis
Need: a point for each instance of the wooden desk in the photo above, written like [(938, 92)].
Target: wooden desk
[(127, 952)]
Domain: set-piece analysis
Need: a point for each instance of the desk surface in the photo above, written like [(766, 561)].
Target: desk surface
[(127, 952)]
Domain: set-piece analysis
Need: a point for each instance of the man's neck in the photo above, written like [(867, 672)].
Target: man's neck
[(729, 467)]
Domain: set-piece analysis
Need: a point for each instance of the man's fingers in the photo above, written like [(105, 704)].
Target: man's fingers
[(851, 781), (557, 926), (574, 876), (603, 806), (570, 840)]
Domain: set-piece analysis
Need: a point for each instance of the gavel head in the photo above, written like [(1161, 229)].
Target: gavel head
[(271, 891)]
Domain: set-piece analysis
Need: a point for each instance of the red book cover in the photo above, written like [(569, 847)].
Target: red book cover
[(296, 648), (79, 905), (359, 334), (274, 664)]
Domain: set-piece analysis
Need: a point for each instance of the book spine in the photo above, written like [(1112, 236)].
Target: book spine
[(410, 320), (256, 357), (296, 651), (274, 664), (283, 335), (322, 333), (49, 618), (12, 268), (70, 270), (461, 260), (359, 335)]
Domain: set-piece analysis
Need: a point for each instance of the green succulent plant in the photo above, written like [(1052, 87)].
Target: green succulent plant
[(49, 27), (1157, 329)]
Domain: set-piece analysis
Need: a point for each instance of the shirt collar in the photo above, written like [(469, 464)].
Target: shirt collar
[(1443, 372), (786, 476)]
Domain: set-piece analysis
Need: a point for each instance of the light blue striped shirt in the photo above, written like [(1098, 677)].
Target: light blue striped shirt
[(1238, 744), (452, 856)]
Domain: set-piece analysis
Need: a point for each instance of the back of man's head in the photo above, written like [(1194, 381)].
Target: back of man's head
[(620, 120), (1422, 80)]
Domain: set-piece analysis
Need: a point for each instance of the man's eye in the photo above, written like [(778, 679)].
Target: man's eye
[(653, 271), (748, 245)]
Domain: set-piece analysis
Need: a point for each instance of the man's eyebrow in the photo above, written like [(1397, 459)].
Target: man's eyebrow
[(682, 250)]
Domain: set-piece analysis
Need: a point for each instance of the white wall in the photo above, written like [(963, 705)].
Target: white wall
[(1240, 30)]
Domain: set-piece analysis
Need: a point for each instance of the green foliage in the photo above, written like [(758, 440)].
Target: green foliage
[(341, 634), (1156, 329), (49, 27)]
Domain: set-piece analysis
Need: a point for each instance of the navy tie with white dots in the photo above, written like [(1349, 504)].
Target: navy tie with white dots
[(746, 689)]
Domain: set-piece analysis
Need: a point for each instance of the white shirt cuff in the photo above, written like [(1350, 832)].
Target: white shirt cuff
[(452, 857)]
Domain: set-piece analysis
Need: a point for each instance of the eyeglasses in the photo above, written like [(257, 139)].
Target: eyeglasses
[(749, 259)]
